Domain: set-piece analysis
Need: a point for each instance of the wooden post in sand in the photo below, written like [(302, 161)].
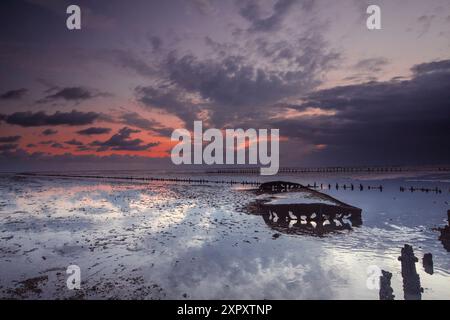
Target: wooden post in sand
[(386, 291), (427, 263), (411, 280)]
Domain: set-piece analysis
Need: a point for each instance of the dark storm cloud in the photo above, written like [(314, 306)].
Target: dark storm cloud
[(168, 99), (10, 139), (241, 78), (94, 131), (13, 94), (398, 121), (40, 118), (251, 11), (435, 66), (233, 81), (122, 141), (49, 132), (74, 142), (231, 86), (228, 82), (75, 94)]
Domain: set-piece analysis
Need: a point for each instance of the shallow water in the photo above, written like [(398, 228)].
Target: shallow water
[(161, 240)]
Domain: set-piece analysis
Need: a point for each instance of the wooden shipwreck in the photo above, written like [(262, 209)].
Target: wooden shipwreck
[(293, 208)]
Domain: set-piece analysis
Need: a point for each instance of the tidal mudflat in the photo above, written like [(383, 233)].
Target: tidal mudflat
[(169, 240)]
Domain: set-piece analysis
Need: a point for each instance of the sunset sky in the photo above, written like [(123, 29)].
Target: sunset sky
[(110, 94)]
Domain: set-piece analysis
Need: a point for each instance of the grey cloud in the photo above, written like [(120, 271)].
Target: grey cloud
[(10, 139), (94, 131), (156, 42), (136, 120), (371, 64), (40, 118), (168, 99), (434, 66), (241, 78), (229, 84), (379, 122), (84, 148), (13, 94), (74, 142), (205, 7), (128, 60), (75, 94), (49, 132), (251, 11), (58, 145), (47, 142), (425, 21), (122, 141), (8, 147)]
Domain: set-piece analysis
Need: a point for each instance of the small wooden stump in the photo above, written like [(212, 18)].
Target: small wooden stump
[(427, 262), (386, 291)]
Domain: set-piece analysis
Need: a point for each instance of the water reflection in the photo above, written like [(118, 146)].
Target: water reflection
[(179, 241), (306, 227)]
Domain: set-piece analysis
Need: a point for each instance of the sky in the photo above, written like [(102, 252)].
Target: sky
[(110, 95)]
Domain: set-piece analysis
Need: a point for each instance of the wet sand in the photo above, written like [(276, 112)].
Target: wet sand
[(167, 240)]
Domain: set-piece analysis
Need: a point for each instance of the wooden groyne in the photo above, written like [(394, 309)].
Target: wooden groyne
[(315, 185), (356, 169), (143, 179)]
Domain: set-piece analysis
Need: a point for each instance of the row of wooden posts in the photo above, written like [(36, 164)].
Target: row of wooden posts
[(316, 185), (324, 170)]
